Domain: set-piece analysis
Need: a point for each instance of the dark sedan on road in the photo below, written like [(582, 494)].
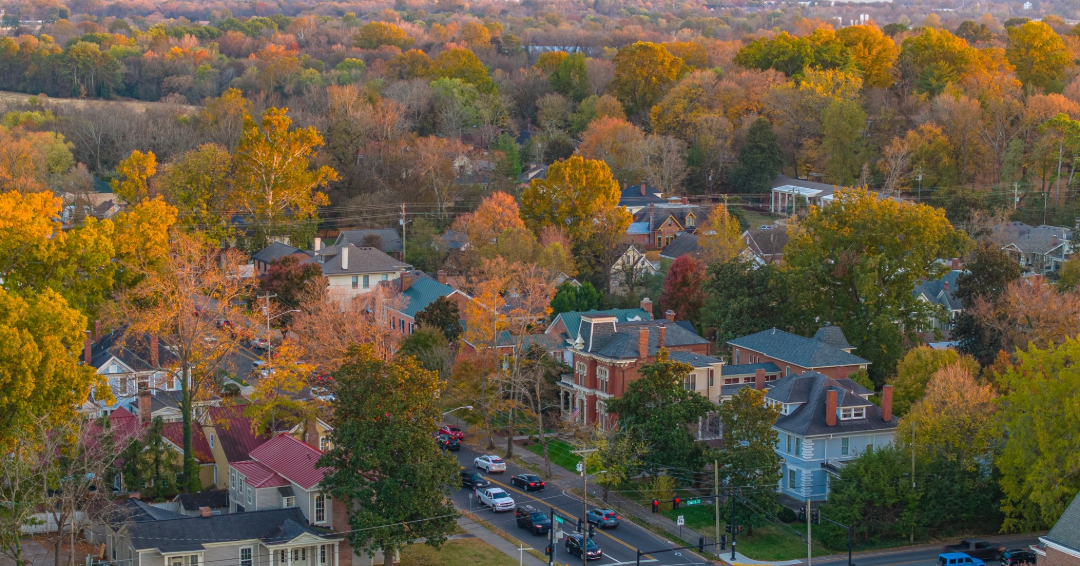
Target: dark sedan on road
[(592, 551), (1015, 556), (473, 479), (528, 482), (448, 443), (603, 518), (529, 517)]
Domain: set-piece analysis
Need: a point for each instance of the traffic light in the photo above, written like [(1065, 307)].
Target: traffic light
[(738, 529), (547, 551), (580, 526), (723, 542), (592, 531), (701, 544), (655, 506), (815, 516), (675, 503), (727, 528)]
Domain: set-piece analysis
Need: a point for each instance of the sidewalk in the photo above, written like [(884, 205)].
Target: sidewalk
[(481, 532)]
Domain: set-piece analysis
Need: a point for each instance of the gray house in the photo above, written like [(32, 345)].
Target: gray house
[(1038, 249)]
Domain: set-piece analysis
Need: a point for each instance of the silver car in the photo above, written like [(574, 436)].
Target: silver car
[(490, 463)]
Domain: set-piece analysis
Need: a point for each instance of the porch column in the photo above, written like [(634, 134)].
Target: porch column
[(289, 552), (772, 202), (272, 553)]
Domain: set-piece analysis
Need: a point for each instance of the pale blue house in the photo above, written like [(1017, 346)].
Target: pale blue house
[(824, 422)]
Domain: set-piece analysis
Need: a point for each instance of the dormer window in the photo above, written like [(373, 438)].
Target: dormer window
[(853, 413)]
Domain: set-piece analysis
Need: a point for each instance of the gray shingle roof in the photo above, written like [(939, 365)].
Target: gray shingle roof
[(276, 250), (935, 292), (360, 260), (389, 237), (833, 336), (766, 243), (809, 390), (132, 351), (212, 498), (696, 360), (620, 341), (631, 196), (572, 319), (1030, 239), (656, 215), (749, 369), (798, 350), (684, 243), (189, 533), (1066, 531)]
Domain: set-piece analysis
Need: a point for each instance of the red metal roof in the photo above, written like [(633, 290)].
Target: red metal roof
[(201, 448), (234, 432), (292, 459), (259, 475)]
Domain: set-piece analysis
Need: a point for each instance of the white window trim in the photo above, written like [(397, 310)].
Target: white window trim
[(602, 379), (288, 502), (845, 446), (251, 556), (319, 498)]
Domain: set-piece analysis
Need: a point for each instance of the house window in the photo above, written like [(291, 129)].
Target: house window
[(245, 556), (787, 370), (367, 281), (791, 478), (299, 554), (211, 441), (798, 446), (249, 495), (284, 557), (189, 560), (288, 502), (355, 282), (320, 508), (731, 381), (232, 479), (601, 415), (736, 357), (711, 380), (215, 475), (384, 277), (690, 382), (788, 448), (113, 369), (322, 554), (849, 414), (659, 240), (690, 221), (845, 446), (324, 443), (602, 379)]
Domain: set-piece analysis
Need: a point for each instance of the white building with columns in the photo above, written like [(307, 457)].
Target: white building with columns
[(790, 194)]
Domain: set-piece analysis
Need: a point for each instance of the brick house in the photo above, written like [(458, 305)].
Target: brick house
[(607, 355), (657, 225), (565, 325), (828, 352), (275, 251), (418, 290), (1061, 546)]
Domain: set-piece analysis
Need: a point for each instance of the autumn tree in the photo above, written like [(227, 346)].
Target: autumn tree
[(199, 183), (1029, 312), (861, 258), (872, 52), (955, 418), (793, 56), (843, 141), (570, 78), (759, 158), (643, 71), (935, 58), (274, 181), (683, 291), (463, 64), (719, 237), (750, 458), (1039, 55), (497, 213), (619, 144), (329, 324), (618, 456), (400, 492), (373, 35), (578, 195), (291, 280), (135, 173), (916, 370)]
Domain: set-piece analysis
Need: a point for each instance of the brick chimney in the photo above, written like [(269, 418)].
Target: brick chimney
[(441, 276), (946, 285), (646, 305), (643, 189), (144, 406), (661, 334), (204, 511), (318, 244), (97, 330), (759, 379), (87, 349), (830, 407), (406, 280), (886, 403), (955, 263), (670, 315), (1055, 240), (344, 258), (643, 342), (154, 350), (685, 200)]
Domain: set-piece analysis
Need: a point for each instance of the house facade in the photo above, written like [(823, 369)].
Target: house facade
[(1061, 546), (565, 325), (628, 270), (275, 251), (1038, 249), (281, 474), (657, 225), (824, 422), (942, 293), (607, 356), (352, 270), (827, 352)]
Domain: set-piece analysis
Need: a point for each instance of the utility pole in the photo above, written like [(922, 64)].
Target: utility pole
[(269, 357), (551, 538), (584, 505), (1016, 195), (402, 221), (912, 539), (732, 524), (809, 522), (919, 198), (716, 502)]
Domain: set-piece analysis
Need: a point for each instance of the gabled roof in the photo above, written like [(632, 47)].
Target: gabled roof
[(258, 475), (183, 533), (1066, 531), (131, 510), (656, 215), (620, 341), (572, 320), (833, 336), (422, 292), (631, 196), (696, 360), (797, 350), (534, 172), (934, 291), (234, 432), (1030, 239), (767, 244), (809, 391), (389, 238), (277, 250), (132, 351), (292, 459), (212, 498), (685, 243), (360, 260), (174, 432)]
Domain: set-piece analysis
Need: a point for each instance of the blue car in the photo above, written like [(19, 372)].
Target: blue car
[(958, 559)]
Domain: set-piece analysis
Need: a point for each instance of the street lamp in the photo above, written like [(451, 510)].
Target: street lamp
[(469, 407)]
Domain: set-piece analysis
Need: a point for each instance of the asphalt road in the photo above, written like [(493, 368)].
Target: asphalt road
[(922, 556), (620, 545)]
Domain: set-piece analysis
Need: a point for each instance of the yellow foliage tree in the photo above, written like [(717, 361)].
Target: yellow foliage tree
[(1039, 54), (720, 237), (580, 196), (873, 52), (135, 173), (955, 418), (643, 72)]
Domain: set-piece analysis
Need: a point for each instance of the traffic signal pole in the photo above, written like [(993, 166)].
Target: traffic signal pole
[(716, 503), (551, 539), (732, 523)]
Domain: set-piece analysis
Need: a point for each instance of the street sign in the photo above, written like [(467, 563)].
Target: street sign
[(579, 466), (681, 521), (558, 519), (692, 502)]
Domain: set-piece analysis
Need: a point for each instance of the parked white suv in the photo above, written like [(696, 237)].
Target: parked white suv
[(496, 498)]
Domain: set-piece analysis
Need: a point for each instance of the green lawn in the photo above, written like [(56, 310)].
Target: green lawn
[(559, 452), (770, 542), (755, 218), (460, 552)]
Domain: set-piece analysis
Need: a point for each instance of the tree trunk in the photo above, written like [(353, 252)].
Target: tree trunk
[(388, 557), (61, 518), (186, 413), (510, 425), (74, 526)]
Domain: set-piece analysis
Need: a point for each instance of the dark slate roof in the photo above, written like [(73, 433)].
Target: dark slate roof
[(767, 244), (656, 215), (391, 240), (631, 196), (833, 336), (935, 292), (620, 341), (1030, 239), (361, 260), (212, 498), (696, 360), (534, 172), (132, 351), (798, 350), (422, 292), (189, 533), (749, 369), (809, 390), (276, 250), (684, 243), (572, 319), (132, 510), (1066, 531), (454, 240)]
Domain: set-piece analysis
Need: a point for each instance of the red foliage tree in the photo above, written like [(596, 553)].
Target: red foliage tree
[(683, 291)]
